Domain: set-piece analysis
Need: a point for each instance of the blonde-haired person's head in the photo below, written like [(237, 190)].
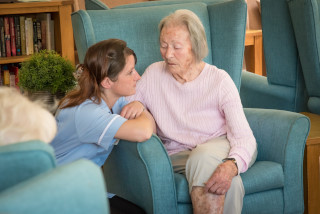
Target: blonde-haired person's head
[(23, 120)]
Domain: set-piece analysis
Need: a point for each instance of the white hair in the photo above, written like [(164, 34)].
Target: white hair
[(23, 120), (195, 27)]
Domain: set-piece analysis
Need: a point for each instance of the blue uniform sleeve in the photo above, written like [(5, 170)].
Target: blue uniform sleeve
[(119, 105), (99, 126)]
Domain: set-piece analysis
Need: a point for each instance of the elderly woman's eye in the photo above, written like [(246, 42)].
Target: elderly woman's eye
[(163, 45)]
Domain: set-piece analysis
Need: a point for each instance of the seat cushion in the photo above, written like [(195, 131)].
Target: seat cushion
[(182, 188), (262, 176)]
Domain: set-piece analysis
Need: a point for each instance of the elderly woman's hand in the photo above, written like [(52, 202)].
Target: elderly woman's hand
[(132, 110), (220, 181)]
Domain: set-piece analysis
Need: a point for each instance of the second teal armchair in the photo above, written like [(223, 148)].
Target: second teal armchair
[(306, 24), (284, 87), (30, 182)]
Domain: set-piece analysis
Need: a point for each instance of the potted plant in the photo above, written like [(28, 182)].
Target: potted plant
[(46, 73)]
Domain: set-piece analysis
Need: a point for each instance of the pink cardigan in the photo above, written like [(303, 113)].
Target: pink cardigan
[(192, 113)]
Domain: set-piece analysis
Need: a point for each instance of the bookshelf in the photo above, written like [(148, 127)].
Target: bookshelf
[(61, 14)]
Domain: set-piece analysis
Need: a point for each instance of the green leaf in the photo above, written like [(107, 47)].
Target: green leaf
[(47, 71)]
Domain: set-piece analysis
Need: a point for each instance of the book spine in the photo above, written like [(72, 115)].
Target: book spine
[(7, 36), (23, 34), (52, 44), (39, 37), (43, 34), (35, 36), (18, 34), (14, 79), (12, 36), (48, 34), (29, 36), (2, 38), (16, 74), (6, 76)]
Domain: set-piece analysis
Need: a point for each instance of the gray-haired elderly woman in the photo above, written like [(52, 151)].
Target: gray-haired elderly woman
[(199, 116)]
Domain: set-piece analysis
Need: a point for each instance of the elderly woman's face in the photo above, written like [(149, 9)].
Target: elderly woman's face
[(176, 48)]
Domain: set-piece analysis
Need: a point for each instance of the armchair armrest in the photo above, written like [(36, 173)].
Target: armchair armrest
[(257, 92), (77, 187), (142, 173), (23, 160), (281, 138)]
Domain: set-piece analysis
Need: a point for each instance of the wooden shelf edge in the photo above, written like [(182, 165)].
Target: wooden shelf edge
[(13, 59)]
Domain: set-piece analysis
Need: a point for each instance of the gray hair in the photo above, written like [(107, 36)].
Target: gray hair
[(195, 27), (23, 120)]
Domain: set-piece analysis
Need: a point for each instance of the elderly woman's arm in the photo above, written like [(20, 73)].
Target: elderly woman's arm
[(242, 142)]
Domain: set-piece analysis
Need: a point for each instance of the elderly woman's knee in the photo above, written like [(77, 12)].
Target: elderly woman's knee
[(203, 155)]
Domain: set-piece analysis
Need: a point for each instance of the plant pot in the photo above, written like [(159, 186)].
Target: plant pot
[(49, 100)]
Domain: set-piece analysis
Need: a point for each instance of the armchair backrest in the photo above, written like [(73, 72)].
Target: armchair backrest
[(305, 16), (24, 160), (280, 49), (284, 87), (139, 28)]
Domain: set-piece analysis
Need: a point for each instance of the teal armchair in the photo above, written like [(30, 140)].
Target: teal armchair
[(142, 172), (30, 182), (306, 24), (284, 87)]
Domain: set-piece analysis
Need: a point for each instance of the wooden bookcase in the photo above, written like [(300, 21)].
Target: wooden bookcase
[(61, 14)]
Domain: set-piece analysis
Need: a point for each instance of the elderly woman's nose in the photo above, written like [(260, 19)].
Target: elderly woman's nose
[(169, 52)]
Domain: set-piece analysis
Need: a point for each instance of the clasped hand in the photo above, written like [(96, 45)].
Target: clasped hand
[(132, 110), (220, 181)]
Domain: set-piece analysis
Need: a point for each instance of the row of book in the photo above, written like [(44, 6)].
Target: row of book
[(26, 34), (9, 75)]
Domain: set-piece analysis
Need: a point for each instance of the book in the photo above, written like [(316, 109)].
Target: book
[(52, 42), (18, 34), (35, 36), (14, 78), (43, 34), (12, 36), (23, 34), (6, 76), (47, 36), (2, 38), (39, 35), (7, 36), (29, 36)]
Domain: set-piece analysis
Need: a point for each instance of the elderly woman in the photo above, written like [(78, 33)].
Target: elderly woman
[(199, 116)]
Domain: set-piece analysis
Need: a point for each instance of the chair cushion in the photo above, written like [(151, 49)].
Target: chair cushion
[(262, 176), (182, 188)]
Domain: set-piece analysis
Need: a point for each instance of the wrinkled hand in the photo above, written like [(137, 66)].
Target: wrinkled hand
[(220, 181), (132, 110)]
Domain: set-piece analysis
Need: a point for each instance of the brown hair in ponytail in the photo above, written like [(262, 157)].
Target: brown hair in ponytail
[(104, 59)]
